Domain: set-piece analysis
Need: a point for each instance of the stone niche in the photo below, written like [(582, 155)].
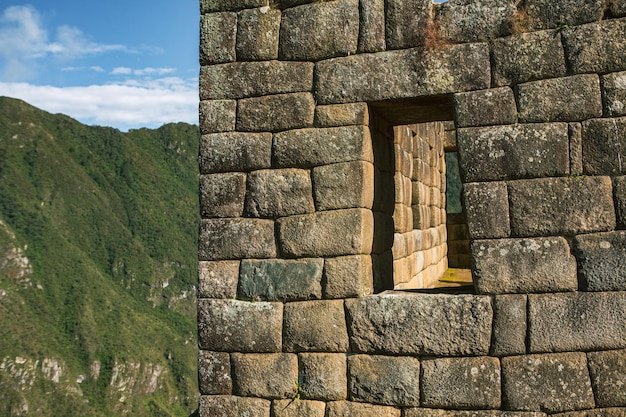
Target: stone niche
[(328, 130)]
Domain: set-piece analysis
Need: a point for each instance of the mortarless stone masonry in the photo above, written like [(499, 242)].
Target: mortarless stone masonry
[(323, 194)]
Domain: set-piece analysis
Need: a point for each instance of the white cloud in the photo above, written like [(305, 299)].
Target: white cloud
[(143, 71), (122, 70)]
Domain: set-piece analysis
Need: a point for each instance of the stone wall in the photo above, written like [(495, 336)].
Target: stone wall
[(301, 212)]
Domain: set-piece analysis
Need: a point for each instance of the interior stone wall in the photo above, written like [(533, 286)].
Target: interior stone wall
[(297, 163)]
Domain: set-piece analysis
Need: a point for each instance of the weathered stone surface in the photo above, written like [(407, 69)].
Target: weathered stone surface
[(223, 239), (614, 93), (430, 412), (405, 21), (257, 34), (608, 377), (513, 151), (552, 382), (509, 325), (350, 409), (217, 116), (603, 144), (208, 6), (575, 131), (323, 376), (315, 326), (602, 261), (598, 412), (222, 195), (231, 406), (218, 279), (560, 99), (348, 276), (268, 375), (275, 113), (371, 26), (487, 208), (334, 115), (619, 190), (249, 79), (423, 324), (312, 147), (344, 185), (384, 380), (281, 280), (279, 192), (474, 21), (593, 47), (618, 8), (298, 408), (495, 106), (235, 151), (461, 382), (523, 266), (402, 74), (576, 321), (238, 326), (214, 373), (527, 57), (320, 30), (547, 14), (561, 206), (327, 233), (217, 38)]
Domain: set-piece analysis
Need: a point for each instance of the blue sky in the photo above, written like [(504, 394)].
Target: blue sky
[(125, 64)]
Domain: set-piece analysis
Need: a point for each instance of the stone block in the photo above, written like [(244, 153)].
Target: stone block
[(222, 195), (402, 74), (487, 208), (319, 30), (348, 276), (281, 280), (323, 376), (231, 406), (252, 79), (513, 151), (527, 57), (306, 148), (405, 21), (561, 206), (551, 382), (214, 373), (603, 144), (430, 412), (334, 115), (238, 326), (267, 375), (384, 380), (575, 131), (509, 325), (315, 326), (344, 185), (546, 14), (217, 116), (465, 383), (618, 8), (576, 321), (298, 408), (371, 26), (474, 21), (523, 266), (235, 151), (495, 106), (614, 93), (209, 6), (327, 233), (608, 377), (422, 324), (218, 32), (619, 190), (279, 192), (602, 261), (218, 279), (275, 113), (598, 412), (224, 239), (351, 409), (564, 99), (257, 34), (593, 47)]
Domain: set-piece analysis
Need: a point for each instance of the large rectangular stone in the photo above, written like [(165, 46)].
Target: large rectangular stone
[(217, 116), (576, 321), (266, 375), (279, 192), (348, 276), (352, 409), (323, 376), (602, 261), (217, 38), (218, 279), (223, 239), (344, 185), (257, 34), (487, 208), (604, 142), (239, 326), (222, 195), (214, 373), (614, 93), (431, 412), (421, 324), (315, 326), (371, 26), (235, 151), (551, 14), (561, 206), (595, 47), (208, 6), (598, 412), (474, 21), (275, 113), (495, 106), (231, 406), (509, 325), (513, 151), (608, 377), (334, 115), (298, 408), (404, 22)]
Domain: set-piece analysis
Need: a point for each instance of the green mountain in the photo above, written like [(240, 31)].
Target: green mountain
[(98, 266)]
